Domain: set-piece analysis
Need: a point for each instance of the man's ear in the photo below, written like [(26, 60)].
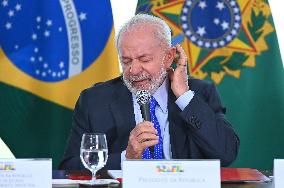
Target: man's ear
[(171, 52)]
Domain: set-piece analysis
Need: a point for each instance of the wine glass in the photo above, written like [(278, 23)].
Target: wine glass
[(94, 152)]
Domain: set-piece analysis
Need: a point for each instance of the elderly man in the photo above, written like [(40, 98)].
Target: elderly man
[(188, 119)]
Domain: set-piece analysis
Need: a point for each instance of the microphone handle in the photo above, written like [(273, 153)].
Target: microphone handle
[(145, 111)]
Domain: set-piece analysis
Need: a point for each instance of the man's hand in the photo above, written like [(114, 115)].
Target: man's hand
[(142, 136), (178, 77)]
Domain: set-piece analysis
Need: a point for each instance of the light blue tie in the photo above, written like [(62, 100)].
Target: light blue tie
[(158, 149)]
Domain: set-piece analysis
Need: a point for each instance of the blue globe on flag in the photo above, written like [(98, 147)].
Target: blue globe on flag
[(54, 40), (211, 23)]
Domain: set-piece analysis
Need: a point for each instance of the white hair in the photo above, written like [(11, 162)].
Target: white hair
[(163, 31)]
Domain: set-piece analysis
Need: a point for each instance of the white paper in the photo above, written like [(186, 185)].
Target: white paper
[(169, 174), (115, 173), (27, 173), (64, 183), (5, 152), (279, 173)]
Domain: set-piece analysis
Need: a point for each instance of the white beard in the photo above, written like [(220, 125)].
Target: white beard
[(155, 82)]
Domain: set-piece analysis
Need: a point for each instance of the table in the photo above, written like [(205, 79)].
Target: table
[(243, 185), (103, 174)]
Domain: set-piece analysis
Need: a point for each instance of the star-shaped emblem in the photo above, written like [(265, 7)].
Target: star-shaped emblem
[(197, 56)]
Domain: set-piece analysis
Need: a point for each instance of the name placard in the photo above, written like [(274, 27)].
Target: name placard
[(27, 173), (278, 173), (169, 174)]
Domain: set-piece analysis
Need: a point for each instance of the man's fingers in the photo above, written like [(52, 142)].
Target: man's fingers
[(182, 59), (142, 136), (144, 128), (146, 137), (181, 64), (149, 143)]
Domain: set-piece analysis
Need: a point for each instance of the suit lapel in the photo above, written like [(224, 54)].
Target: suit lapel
[(123, 113), (177, 129), (124, 118)]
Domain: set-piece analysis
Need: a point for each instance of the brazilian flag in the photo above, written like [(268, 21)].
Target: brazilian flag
[(49, 52), (233, 43)]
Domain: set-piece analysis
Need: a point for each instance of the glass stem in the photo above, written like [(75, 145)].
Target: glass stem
[(94, 175)]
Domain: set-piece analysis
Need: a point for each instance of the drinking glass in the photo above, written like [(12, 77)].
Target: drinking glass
[(94, 152)]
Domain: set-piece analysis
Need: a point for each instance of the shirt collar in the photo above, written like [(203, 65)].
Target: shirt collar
[(161, 95)]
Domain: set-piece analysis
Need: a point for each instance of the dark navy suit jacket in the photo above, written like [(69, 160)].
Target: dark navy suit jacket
[(200, 131)]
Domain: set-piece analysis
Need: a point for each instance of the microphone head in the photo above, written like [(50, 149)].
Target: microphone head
[(143, 97)]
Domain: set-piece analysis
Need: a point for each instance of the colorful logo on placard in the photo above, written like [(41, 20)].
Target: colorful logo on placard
[(169, 168), (7, 166)]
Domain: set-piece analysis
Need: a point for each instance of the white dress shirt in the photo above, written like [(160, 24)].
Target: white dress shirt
[(161, 111)]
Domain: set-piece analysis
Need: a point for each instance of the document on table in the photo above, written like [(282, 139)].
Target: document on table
[(115, 174)]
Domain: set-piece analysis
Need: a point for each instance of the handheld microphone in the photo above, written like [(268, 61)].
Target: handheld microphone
[(143, 99)]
